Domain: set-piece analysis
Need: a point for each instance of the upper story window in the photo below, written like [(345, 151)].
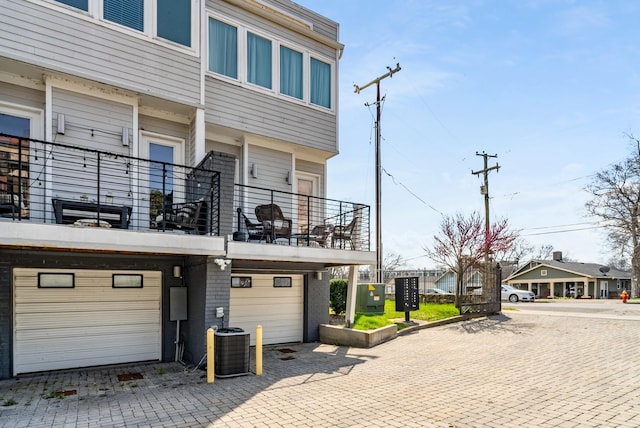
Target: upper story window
[(259, 60), (79, 4), (223, 48), (320, 83), (240, 54), (129, 13), (171, 20), (291, 79)]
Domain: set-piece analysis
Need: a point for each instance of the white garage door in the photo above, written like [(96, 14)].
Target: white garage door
[(277, 309), (68, 319)]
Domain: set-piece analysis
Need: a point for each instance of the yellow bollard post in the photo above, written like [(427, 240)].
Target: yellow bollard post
[(210, 361), (259, 350)]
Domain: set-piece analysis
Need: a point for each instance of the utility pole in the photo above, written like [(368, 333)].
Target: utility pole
[(357, 90), (485, 191)]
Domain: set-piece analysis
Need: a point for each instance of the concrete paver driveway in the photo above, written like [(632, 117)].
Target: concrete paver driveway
[(537, 365)]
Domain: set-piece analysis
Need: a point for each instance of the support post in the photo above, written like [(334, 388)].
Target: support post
[(352, 287), (210, 359), (259, 350)]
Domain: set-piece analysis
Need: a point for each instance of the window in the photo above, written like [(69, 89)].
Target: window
[(237, 52), (240, 282), (258, 60), (174, 21), (129, 13), (320, 83), (119, 280), (78, 4), (290, 72), (56, 280), (223, 48)]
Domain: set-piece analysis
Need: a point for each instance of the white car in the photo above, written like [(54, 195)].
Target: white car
[(514, 295)]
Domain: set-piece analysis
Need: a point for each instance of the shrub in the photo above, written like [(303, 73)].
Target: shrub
[(338, 296)]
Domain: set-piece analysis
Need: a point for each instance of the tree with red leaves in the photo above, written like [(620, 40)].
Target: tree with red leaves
[(460, 244)]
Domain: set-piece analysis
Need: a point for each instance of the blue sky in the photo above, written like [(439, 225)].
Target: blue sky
[(550, 86)]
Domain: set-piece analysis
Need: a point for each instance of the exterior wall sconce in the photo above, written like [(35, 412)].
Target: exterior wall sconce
[(125, 136), (289, 178), (318, 275), (254, 170), (177, 271), (60, 123)]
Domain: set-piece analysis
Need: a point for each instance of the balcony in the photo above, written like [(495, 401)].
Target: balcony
[(42, 182), (267, 216), (99, 196)]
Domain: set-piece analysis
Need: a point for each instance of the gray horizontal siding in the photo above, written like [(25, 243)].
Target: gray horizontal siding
[(84, 113), (270, 116), (321, 25), (164, 127), (272, 168), (21, 95), (69, 44)]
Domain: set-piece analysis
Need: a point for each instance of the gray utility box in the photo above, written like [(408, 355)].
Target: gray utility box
[(231, 352), (370, 298)]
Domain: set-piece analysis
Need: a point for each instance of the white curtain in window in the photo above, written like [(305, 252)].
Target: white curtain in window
[(320, 83), (290, 72), (259, 60), (223, 48)]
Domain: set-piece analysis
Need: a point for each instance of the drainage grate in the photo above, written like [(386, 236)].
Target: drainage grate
[(287, 358), (287, 351), (129, 376)]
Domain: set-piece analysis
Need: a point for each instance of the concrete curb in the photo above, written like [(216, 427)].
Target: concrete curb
[(420, 325)]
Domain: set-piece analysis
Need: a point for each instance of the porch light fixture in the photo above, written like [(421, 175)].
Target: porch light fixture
[(318, 275), (254, 170), (289, 178), (177, 271)]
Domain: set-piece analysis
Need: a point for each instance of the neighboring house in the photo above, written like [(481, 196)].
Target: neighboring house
[(472, 282), (426, 278), (138, 140), (560, 278)]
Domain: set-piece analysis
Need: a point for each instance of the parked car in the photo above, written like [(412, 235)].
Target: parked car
[(435, 291), (514, 295)]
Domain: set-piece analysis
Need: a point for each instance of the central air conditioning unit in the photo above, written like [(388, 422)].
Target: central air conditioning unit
[(231, 352)]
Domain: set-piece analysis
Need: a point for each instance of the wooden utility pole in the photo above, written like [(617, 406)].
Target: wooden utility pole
[(485, 191), (357, 90)]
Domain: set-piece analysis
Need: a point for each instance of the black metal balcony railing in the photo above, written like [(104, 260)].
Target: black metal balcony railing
[(43, 182), (55, 183), (269, 216)]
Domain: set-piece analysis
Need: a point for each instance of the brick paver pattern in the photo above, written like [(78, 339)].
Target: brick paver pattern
[(519, 369)]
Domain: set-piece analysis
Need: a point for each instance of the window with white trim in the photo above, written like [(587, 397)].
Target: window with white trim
[(259, 66), (241, 54), (291, 72), (172, 20)]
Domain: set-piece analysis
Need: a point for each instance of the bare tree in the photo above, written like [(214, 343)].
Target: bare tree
[(460, 244), (392, 261), (616, 201)]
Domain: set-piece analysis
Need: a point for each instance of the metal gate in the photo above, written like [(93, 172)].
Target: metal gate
[(479, 292)]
